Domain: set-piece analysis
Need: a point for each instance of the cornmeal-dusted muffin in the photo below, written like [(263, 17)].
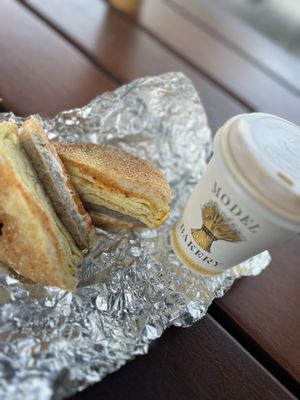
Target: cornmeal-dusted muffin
[(33, 241), (118, 189)]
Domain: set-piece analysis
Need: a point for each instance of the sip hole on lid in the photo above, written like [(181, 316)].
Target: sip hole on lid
[(285, 178)]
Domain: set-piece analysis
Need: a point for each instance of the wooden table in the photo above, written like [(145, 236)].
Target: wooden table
[(60, 54)]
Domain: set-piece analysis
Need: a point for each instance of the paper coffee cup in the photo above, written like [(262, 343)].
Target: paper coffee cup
[(248, 199)]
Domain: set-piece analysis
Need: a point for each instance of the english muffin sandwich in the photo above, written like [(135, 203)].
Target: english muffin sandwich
[(33, 240), (118, 189)]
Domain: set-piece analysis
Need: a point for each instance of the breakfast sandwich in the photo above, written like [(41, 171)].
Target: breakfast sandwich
[(118, 189), (33, 240), (57, 183)]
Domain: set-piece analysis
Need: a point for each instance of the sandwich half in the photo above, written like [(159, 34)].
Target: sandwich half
[(57, 183), (33, 241), (118, 189)]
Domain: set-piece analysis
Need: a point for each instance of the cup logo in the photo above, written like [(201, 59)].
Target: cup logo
[(215, 226)]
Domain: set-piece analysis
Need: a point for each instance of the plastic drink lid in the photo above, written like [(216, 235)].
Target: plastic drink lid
[(263, 153)]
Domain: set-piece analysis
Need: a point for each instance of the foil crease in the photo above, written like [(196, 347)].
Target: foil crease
[(132, 286)]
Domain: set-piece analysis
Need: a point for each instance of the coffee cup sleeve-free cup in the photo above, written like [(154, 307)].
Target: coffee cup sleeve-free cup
[(248, 198)]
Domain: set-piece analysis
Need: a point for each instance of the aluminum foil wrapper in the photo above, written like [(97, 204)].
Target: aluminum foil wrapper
[(132, 286)]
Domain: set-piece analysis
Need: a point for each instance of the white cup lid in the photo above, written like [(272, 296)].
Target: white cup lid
[(266, 151)]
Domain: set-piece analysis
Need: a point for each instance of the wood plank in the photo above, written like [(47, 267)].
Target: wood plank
[(267, 307), (40, 71), (116, 37), (202, 362), (2, 109), (127, 52), (243, 39), (117, 45), (231, 70), (274, 300)]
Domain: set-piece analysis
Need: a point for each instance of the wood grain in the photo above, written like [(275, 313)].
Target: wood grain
[(267, 307), (46, 74), (202, 362), (127, 52), (42, 73), (253, 86), (243, 39)]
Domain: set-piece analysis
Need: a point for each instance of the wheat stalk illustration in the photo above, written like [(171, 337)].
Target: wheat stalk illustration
[(215, 226)]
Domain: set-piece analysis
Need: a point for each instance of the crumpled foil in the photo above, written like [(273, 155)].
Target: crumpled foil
[(132, 286)]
